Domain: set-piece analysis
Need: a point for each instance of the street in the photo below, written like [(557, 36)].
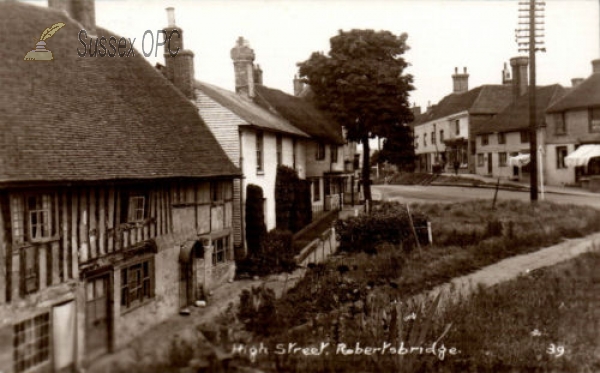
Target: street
[(451, 194)]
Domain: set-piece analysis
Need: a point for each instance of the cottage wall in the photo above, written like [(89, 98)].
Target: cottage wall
[(55, 242)]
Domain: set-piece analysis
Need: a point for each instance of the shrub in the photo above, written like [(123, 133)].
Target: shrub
[(276, 255), (389, 222), (285, 184), (302, 209), (255, 219), (257, 310)]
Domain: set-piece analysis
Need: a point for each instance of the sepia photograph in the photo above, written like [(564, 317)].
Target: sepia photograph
[(265, 186)]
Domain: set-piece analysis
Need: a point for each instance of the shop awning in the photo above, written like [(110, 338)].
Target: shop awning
[(519, 160), (582, 155)]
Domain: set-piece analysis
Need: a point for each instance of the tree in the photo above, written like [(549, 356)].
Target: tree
[(362, 85), (398, 148)]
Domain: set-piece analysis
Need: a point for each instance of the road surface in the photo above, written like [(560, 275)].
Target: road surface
[(452, 194)]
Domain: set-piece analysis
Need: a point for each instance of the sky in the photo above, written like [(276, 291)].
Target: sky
[(442, 35)]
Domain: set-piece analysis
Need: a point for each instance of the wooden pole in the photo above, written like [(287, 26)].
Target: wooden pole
[(413, 228), (532, 107)]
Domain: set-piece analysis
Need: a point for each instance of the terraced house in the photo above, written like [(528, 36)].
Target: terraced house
[(503, 142), (573, 134), (443, 134), (116, 200)]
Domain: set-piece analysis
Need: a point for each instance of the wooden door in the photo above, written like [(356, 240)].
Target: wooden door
[(63, 337), (97, 316), (490, 163)]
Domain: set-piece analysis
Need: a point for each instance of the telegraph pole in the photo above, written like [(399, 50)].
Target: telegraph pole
[(534, 23)]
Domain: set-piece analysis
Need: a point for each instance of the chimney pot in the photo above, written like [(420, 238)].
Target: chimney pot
[(171, 16)]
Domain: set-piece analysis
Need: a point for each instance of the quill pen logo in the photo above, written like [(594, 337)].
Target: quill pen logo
[(40, 53)]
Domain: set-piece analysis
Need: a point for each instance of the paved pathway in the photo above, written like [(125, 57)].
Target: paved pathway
[(515, 266)]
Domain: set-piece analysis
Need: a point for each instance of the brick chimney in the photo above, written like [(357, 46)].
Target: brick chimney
[(576, 81), (520, 78), (243, 66), (506, 80), (596, 66), (83, 11), (416, 110), (180, 67), (461, 81), (298, 85)]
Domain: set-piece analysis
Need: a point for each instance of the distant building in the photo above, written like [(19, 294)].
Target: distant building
[(503, 142), (443, 134)]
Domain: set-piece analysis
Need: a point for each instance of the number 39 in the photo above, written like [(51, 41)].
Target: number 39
[(556, 350)]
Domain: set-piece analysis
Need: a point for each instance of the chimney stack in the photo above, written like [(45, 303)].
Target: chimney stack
[(596, 66), (576, 81), (179, 63), (461, 81), (506, 80), (298, 85), (243, 66), (416, 110), (82, 11), (520, 78)]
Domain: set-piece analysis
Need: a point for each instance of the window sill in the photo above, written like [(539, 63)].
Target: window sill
[(260, 173), (137, 306), (37, 242)]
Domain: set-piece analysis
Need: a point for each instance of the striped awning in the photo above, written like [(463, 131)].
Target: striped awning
[(582, 155)]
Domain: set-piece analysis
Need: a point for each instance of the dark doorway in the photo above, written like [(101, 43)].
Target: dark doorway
[(97, 316), (490, 163)]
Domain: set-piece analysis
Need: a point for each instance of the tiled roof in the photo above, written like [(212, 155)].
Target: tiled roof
[(301, 113), (248, 110), (584, 95), (486, 99), (516, 116), (92, 118)]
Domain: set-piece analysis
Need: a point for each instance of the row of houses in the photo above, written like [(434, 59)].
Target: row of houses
[(122, 184), (486, 130)]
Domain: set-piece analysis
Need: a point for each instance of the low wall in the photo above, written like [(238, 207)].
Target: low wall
[(318, 250)]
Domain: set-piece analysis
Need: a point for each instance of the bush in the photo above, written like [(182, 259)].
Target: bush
[(285, 185), (276, 255), (389, 222), (302, 209), (257, 310), (255, 219), (293, 208)]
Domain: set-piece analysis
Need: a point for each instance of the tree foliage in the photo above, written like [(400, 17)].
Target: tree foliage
[(398, 148), (361, 83)]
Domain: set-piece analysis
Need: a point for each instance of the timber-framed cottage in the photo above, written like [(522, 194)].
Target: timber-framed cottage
[(115, 198)]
